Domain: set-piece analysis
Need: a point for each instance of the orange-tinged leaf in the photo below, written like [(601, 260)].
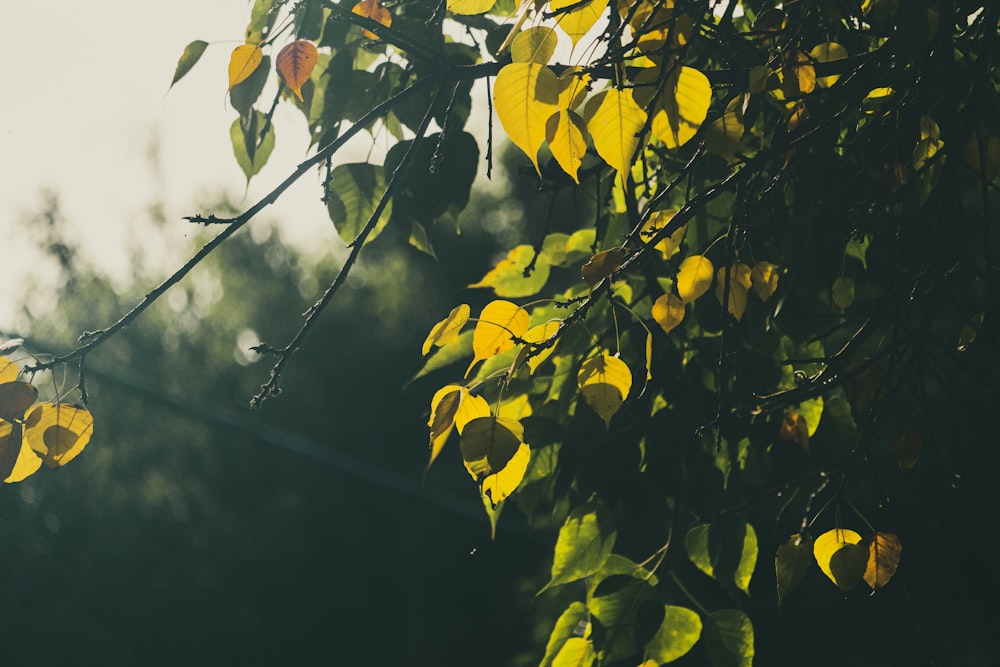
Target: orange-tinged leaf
[(694, 277), (739, 285), (883, 559), (16, 397), (16, 460), (604, 382), (601, 265), (446, 331), (373, 9), (668, 245), (536, 44), (764, 278), (498, 486), (838, 554), (525, 96), (668, 311), (58, 432), (243, 62), (498, 325), (682, 108), (470, 7), (794, 429), (295, 61), (615, 121), (567, 136), (579, 21)]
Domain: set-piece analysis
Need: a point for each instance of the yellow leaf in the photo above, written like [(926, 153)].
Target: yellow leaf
[(824, 53), (883, 559), (575, 652), (525, 96), (470, 7), (444, 406), (16, 461), (614, 121), (579, 21), (838, 555), (498, 486), (534, 45), (694, 277), (488, 444), (798, 76), (498, 324), (537, 334), (764, 278), (724, 137), (567, 136), (667, 245), (683, 107), (668, 311), (604, 382), (58, 432), (471, 407), (739, 285), (8, 370), (446, 331), (843, 292), (243, 62), (295, 62), (573, 87), (601, 265), (508, 277)]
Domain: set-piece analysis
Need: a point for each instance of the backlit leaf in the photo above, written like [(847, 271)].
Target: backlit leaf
[(883, 559), (584, 544), (824, 53), (575, 652), (353, 193), (798, 76), (729, 638), (604, 382), (537, 334), (627, 614), (444, 406), (764, 279), (251, 155), (668, 245), (58, 432), (471, 407), (567, 136), (724, 137), (8, 369), (534, 45), (192, 53), (725, 550), (470, 7), (840, 557), (446, 331), (601, 265), (498, 324), (571, 623), (525, 96), (739, 285), (681, 110), (243, 62), (614, 121), (17, 461), (16, 397), (508, 277), (488, 444), (694, 277), (668, 311), (678, 633), (573, 87), (498, 486), (791, 562), (295, 62), (581, 19)]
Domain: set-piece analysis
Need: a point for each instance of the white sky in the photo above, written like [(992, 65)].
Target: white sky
[(86, 106)]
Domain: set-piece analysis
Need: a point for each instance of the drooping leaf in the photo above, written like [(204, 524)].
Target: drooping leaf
[(444, 407), (578, 22), (615, 121), (573, 622), (243, 62), (446, 331), (729, 638), (250, 151), (488, 444), (883, 559), (525, 96), (508, 277), (584, 544), (372, 9), (192, 53), (353, 194), (739, 285), (694, 277), (678, 633), (295, 63), (536, 44), (840, 556), (604, 382), (683, 107), (17, 461), (627, 614), (470, 7), (567, 135), (601, 265), (498, 325), (764, 279), (498, 486), (791, 562), (244, 95), (668, 311), (16, 397), (58, 432)]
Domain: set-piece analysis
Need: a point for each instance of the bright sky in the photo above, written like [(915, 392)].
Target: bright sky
[(86, 114)]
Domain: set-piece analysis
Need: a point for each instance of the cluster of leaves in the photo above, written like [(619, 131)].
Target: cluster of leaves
[(33, 432), (837, 160)]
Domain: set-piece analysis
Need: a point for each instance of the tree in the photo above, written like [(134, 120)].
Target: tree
[(755, 319)]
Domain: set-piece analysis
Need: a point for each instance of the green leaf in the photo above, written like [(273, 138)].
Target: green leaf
[(628, 612), (192, 53), (354, 191), (573, 622), (678, 633), (584, 544), (729, 638), (446, 356), (726, 550), (245, 94), (250, 157), (791, 563), (508, 277), (618, 565), (576, 652)]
